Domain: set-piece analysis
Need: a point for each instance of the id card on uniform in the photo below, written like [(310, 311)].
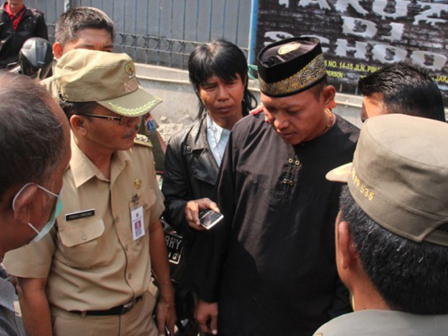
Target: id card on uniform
[(138, 227)]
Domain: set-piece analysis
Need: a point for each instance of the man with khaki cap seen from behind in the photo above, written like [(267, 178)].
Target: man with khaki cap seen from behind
[(92, 272), (392, 230)]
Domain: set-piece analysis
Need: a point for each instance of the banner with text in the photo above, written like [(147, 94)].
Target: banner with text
[(360, 36)]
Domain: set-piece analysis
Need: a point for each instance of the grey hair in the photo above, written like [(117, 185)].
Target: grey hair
[(31, 136)]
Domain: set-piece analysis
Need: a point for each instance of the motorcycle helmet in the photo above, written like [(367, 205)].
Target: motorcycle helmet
[(36, 57)]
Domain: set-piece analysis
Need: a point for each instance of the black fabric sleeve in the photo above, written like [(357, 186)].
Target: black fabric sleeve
[(175, 188), (41, 27)]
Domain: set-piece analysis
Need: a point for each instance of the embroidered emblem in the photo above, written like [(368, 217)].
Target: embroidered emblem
[(129, 68), (137, 183), (287, 48)]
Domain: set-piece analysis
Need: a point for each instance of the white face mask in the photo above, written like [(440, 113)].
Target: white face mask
[(57, 208)]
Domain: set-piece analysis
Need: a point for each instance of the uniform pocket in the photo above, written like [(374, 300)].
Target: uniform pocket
[(82, 242)]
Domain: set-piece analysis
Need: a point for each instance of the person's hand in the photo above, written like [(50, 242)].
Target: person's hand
[(166, 315), (193, 208), (258, 110), (206, 314)]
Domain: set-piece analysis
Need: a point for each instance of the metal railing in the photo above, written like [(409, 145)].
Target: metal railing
[(163, 32)]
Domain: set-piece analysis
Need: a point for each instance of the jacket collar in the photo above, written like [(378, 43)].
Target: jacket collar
[(198, 134), (206, 168)]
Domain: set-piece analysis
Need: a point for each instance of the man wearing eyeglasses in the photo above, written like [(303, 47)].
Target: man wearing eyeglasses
[(35, 149), (93, 272)]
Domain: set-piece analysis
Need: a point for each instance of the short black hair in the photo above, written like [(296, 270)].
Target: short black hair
[(78, 108), (79, 18), (411, 277), (406, 89), (224, 60)]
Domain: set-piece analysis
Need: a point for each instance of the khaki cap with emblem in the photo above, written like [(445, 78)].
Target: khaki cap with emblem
[(106, 78), (399, 175), (290, 66)]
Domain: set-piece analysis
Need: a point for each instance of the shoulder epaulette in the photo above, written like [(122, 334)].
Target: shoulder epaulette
[(143, 140)]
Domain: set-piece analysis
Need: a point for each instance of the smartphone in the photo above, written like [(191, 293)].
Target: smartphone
[(209, 218), (167, 331)]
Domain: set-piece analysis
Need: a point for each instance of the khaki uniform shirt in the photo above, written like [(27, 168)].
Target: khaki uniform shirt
[(385, 323), (50, 84), (92, 262)]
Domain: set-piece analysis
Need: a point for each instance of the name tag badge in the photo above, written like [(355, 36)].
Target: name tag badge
[(79, 214), (138, 227)]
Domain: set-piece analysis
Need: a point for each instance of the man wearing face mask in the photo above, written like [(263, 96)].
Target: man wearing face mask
[(30, 182), (93, 270)]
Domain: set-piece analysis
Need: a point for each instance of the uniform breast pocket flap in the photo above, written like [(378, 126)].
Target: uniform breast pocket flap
[(81, 231)]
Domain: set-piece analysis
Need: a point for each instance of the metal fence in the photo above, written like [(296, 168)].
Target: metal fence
[(164, 32)]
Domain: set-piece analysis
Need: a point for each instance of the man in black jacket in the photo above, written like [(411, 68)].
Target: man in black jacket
[(18, 24), (218, 73)]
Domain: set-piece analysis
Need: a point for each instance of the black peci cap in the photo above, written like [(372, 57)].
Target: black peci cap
[(290, 66)]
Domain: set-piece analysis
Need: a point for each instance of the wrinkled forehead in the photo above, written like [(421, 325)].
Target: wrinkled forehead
[(88, 38), (297, 100)]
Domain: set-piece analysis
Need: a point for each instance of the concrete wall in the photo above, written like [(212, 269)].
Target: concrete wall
[(180, 103)]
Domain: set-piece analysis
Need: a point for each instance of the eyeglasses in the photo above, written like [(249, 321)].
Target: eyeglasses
[(122, 120)]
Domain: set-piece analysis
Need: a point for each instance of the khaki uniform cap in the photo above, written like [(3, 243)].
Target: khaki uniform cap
[(399, 175), (106, 78)]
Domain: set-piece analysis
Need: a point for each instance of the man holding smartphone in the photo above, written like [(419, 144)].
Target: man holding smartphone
[(269, 265)]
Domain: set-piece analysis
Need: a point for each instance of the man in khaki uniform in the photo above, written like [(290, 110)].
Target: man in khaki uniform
[(392, 230), (95, 267), (90, 28)]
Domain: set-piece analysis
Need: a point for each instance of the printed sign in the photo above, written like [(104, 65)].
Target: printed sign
[(360, 36)]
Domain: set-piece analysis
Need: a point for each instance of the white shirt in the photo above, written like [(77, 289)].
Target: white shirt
[(217, 138)]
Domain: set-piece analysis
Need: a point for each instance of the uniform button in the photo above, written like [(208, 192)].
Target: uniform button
[(83, 236), (297, 162), (117, 219), (290, 160), (285, 181), (291, 182), (130, 275)]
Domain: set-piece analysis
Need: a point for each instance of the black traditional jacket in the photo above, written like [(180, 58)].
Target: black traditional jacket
[(270, 264)]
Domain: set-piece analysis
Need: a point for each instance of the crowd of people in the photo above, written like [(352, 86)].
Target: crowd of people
[(326, 229)]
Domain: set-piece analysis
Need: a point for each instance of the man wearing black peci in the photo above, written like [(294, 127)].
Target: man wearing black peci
[(278, 209)]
